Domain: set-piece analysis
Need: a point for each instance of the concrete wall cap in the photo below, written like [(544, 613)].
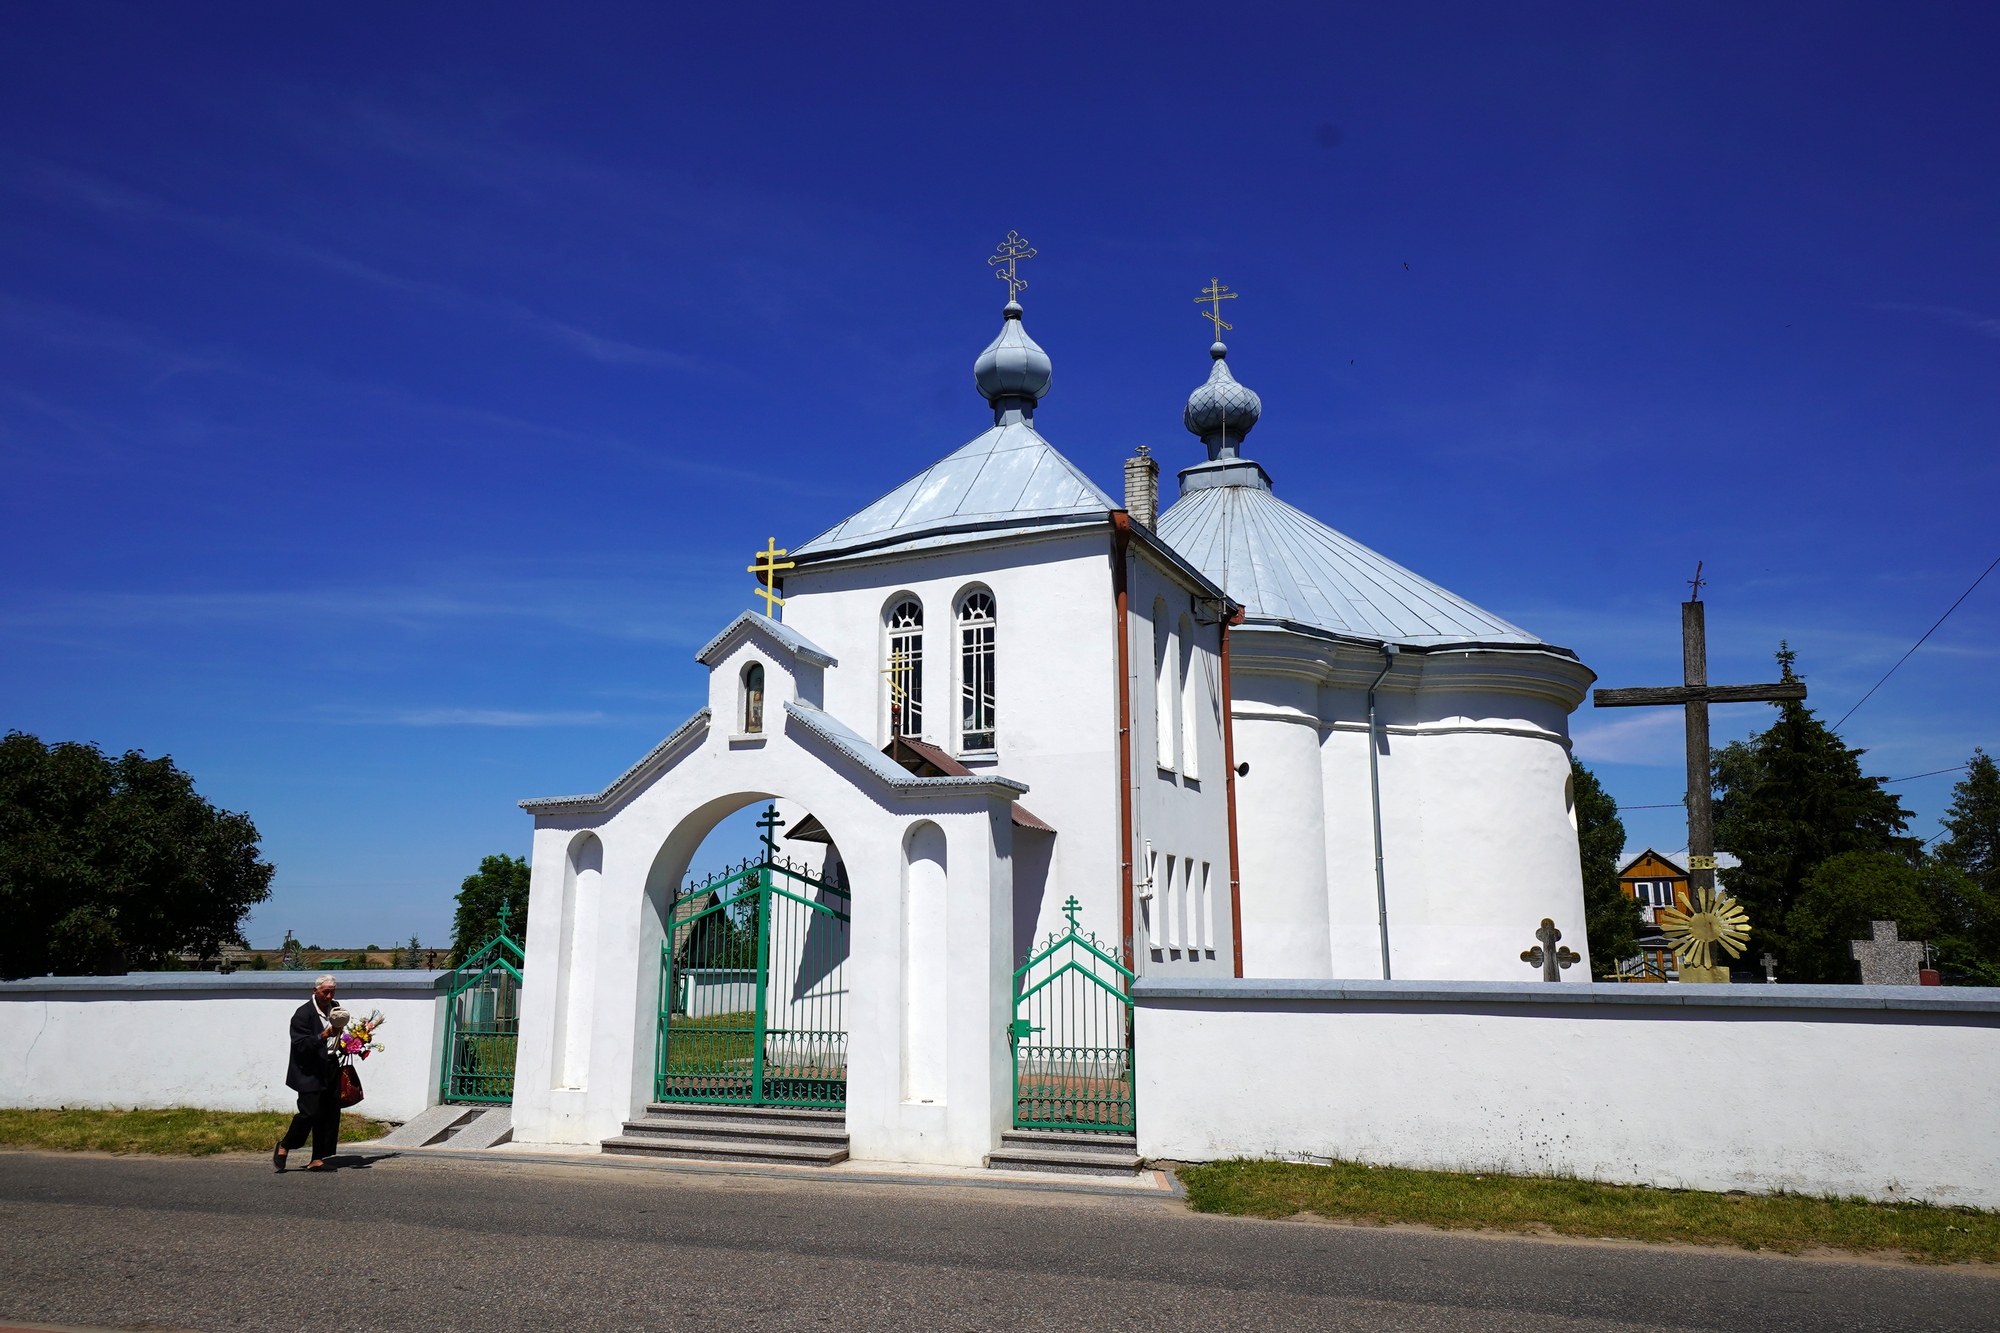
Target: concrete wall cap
[(1253, 992), (275, 981)]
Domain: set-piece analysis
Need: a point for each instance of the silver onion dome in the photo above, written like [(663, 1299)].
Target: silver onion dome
[(1222, 411), (1012, 366)]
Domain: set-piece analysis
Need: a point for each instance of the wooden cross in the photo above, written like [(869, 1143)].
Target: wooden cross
[(769, 824), (1694, 695), (1213, 296), (765, 565), (1012, 251)]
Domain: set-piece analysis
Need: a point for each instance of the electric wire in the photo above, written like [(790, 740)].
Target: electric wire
[(1913, 647)]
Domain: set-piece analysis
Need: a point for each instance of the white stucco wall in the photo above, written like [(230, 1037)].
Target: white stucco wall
[(217, 1042), (1056, 688), (1886, 1092), (1479, 841)]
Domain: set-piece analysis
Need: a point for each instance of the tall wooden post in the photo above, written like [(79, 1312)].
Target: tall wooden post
[(1701, 816)]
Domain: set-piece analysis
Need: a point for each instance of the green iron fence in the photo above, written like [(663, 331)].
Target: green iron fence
[(753, 990), (1072, 1036), (483, 1023)]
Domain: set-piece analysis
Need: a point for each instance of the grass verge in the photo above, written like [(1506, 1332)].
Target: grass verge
[(180, 1131), (1787, 1223)]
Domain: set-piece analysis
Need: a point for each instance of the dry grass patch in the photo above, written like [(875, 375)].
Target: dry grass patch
[(1784, 1222), (180, 1131)]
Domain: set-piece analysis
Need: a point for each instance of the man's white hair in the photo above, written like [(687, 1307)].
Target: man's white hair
[(325, 979)]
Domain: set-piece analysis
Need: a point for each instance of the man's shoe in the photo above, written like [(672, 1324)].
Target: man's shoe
[(278, 1156)]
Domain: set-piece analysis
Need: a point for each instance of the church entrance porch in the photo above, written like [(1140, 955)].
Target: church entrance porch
[(753, 989)]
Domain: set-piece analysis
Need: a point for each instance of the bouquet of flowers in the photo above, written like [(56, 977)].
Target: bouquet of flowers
[(358, 1038)]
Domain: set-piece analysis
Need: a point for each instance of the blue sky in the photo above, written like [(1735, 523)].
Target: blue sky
[(389, 402)]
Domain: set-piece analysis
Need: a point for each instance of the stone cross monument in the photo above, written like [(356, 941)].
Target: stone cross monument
[(1547, 955), (1886, 960)]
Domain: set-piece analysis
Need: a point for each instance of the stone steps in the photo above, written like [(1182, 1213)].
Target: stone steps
[(1066, 1152), (769, 1134)]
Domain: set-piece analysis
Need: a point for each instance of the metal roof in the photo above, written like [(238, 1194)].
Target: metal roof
[(1010, 477), (798, 643), (1286, 566)]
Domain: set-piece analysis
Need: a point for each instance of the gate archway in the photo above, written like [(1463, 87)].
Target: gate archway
[(752, 1007)]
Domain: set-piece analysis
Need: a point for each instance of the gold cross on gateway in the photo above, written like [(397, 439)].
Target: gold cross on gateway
[(766, 566)]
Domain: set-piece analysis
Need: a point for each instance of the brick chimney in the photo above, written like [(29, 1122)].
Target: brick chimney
[(1142, 488)]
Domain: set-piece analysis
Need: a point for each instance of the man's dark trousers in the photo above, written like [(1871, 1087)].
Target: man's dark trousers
[(319, 1116)]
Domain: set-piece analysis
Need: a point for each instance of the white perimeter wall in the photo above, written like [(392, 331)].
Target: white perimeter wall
[(1887, 1092), (217, 1042)]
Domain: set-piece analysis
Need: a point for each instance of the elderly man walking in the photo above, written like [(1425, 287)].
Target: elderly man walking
[(315, 1075)]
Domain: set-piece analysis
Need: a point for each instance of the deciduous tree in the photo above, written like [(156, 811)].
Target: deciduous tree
[(500, 879), (1611, 920), (108, 864)]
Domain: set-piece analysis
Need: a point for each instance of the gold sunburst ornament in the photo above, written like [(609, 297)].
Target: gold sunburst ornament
[(1712, 921)]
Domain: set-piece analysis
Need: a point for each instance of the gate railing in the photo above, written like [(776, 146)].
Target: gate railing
[(1072, 1035), (483, 1023), (753, 990)]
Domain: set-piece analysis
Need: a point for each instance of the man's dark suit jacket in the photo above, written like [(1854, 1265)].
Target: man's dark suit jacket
[(312, 1069)]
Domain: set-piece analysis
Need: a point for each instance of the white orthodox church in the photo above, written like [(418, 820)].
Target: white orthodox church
[(1008, 719)]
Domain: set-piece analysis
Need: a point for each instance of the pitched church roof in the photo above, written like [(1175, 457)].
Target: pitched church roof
[(1288, 568), (1008, 478)]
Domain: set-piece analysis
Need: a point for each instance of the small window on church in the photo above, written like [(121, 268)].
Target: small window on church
[(904, 669), (753, 699), (976, 626)]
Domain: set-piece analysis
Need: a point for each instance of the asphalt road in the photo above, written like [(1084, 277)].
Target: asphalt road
[(435, 1245)]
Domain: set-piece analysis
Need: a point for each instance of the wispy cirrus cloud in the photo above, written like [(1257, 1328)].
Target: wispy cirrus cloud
[(109, 198), (1654, 737), (476, 717), (1987, 326)]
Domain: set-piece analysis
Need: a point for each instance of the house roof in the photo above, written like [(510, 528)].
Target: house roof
[(1665, 860), (1288, 568), (1008, 478)]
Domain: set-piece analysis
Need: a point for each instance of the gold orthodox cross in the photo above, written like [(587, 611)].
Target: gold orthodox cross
[(1012, 251), (765, 565), (1213, 296)]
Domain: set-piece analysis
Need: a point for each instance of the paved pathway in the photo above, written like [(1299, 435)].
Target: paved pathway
[(437, 1245)]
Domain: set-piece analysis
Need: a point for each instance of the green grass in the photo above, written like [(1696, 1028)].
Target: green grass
[(1787, 1223), (181, 1131)]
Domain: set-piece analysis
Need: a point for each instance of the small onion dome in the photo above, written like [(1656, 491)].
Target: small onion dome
[(1012, 366), (1222, 411)]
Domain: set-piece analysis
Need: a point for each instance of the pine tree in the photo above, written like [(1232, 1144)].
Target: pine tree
[(501, 879), (1791, 798), (1964, 879), (1974, 823), (1611, 920)]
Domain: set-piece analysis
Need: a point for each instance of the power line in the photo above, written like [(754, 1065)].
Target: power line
[(1918, 644), (1933, 773), (1670, 805)]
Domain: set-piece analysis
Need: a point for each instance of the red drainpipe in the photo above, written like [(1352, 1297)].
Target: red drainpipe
[(1121, 538), (1229, 781)]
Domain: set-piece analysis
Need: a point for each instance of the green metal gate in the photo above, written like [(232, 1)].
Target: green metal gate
[(483, 1023), (753, 989), (1072, 1036)]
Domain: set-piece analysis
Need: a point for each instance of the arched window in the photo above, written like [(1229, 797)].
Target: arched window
[(976, 625), (904, 668), (753, 699)]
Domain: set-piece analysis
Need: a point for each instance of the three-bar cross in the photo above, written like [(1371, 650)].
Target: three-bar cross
[(1695, 695)]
